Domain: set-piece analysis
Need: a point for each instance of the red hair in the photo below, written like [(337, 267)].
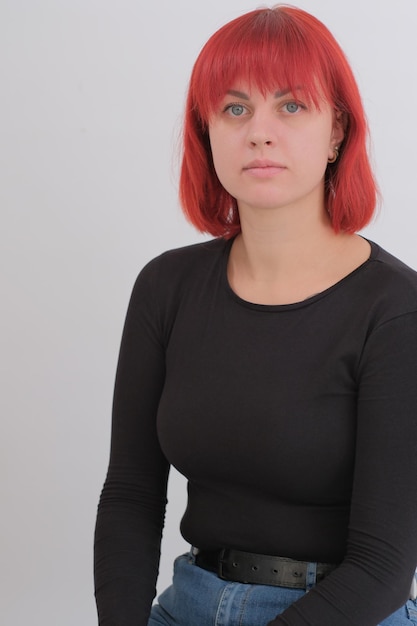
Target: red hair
[(270, 48)]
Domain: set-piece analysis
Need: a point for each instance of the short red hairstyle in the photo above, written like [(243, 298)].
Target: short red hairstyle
[(269, 48)]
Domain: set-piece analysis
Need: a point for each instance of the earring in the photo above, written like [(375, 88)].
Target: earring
[(335, 156)]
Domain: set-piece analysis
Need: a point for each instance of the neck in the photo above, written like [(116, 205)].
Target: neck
[(284, 243), (287, 257)]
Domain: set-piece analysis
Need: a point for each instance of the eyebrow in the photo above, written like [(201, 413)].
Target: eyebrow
[(244, 96)]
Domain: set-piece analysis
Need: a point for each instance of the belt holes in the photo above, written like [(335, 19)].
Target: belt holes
[(254, 568), (234, 564), (275, 571)]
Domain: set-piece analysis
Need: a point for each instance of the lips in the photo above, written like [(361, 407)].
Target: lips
[(263, 168), (263, 164)]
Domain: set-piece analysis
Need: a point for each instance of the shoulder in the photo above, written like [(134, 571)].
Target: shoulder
[(391, 265), (184, 263), (200, 253), (394, 275), (170, 280), (176, 272), (391, 284)]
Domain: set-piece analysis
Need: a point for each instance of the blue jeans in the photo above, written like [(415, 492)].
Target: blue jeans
[(200, 598)]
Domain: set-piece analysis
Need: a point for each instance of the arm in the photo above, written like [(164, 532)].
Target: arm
[(132, 504), (375, 577)]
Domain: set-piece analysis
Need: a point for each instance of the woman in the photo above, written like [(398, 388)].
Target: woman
[(274, 366)]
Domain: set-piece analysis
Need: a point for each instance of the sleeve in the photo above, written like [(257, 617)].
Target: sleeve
[(132, 505), (375, 577)]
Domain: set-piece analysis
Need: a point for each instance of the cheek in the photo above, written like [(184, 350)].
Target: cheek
[(315, 147), (222, 152)]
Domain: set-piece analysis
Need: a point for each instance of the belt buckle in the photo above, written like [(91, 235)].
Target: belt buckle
[(220, 564), (413, 590)]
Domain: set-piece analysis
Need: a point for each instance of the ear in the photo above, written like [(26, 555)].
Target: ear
[(338, 132)]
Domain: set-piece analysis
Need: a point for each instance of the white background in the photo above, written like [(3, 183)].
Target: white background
[(90, 110)]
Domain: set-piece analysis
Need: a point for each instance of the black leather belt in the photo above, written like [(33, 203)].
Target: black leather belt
[(259, 569)]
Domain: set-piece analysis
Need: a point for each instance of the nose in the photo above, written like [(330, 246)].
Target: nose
[(262, 130), (259, 140)]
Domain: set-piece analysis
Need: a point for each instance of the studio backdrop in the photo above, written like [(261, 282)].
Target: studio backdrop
[(92, 93)]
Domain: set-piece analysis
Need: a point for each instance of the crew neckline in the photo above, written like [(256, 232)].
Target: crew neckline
[(292, 305)]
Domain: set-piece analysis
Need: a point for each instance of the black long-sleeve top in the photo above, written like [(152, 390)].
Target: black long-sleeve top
[(295, 425)]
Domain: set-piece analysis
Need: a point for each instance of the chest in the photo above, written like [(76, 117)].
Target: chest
[(253, 397)]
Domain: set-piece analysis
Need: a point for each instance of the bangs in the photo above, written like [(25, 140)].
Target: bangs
[(271, 51)]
